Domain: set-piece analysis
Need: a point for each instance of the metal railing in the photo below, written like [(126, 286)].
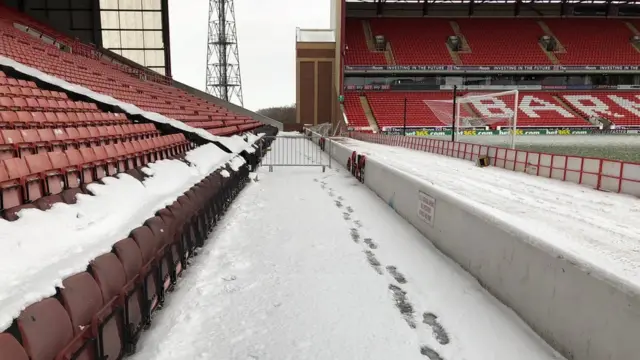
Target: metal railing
[(287, 151)]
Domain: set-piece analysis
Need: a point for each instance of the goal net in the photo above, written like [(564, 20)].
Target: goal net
[(473, 110)]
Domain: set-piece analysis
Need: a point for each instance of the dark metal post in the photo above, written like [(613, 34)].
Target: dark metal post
[(404, 127), (453, 123)]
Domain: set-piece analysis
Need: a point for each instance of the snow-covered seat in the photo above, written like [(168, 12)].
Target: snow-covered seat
[(108, 306)]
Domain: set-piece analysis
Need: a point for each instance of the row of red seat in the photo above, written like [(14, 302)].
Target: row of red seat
[(100, 313), (105, 78), (42, 104), (39, 180), (536, 108), (4, 80), (19, 142), (59, 119), (230, 130), (493, 41), (30, 92)]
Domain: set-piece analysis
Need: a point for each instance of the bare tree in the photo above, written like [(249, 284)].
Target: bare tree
[(284, 114)]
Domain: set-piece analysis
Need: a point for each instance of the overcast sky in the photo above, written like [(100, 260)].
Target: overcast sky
[(266, 37)]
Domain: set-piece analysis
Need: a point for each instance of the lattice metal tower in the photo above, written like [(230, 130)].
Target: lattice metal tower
[(223, 61)]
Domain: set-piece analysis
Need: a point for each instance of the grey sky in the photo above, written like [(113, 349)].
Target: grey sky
[(266, 36)]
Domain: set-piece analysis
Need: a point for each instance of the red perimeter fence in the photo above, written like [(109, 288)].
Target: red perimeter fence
[(601, 174)]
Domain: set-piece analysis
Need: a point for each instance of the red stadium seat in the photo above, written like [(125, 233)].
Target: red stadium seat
[(35, 325), (10, 348)]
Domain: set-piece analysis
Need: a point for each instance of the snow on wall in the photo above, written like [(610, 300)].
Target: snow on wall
[(234, 143), (44, 247), (582, 310)]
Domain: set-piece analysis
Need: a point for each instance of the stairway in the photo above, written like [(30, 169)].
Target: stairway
[(368, 34), (464, 46), (371, 45), (547, 31), (633, 28), (369, 113), (471, 110), (552, 57), (388, 54), (454, 55), (635, 31), (569, 108)]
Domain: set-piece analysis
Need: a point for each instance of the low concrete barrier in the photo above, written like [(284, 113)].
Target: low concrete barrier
[(583, 313)]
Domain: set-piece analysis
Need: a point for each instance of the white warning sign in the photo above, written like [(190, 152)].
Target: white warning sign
[(426, 208)]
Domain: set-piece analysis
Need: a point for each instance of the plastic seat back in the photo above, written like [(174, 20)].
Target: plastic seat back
[(129, 255), (45, 329), (10, 348), (81, 297), (110, 277)]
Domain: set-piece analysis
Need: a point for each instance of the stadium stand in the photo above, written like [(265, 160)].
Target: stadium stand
[(46, 54), (101, 312), (354, 109), (54, 144), (46, 138), (594, 41), (422, 41), (492, 42), (415, 41), (358, 52), (537, 109), (508, 41)]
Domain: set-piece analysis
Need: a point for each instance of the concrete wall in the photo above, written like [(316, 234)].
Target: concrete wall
[(583, 313)]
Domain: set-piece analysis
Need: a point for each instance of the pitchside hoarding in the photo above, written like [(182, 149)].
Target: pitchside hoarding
[(495, 69)]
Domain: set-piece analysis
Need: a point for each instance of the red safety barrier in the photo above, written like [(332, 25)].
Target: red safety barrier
[(601, 174)]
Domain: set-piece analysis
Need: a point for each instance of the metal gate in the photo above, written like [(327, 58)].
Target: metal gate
[(296, 151)]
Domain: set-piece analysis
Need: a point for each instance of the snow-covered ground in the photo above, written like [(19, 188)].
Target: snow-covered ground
[(312, 265), (42, 248), (595, 229)]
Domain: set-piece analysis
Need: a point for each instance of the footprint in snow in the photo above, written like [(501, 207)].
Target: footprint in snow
[(430, 353), (438, 330), (370, 243)]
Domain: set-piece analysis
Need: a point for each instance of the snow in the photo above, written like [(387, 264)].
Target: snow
[(234, 142), (236, 163), (598, 231), (290, 133), (42, 248), (285, 275), (613, 140)]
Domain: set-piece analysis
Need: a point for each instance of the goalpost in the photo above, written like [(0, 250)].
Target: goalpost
[(479, 110)]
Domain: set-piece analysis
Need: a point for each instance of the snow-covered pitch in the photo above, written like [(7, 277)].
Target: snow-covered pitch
[(614, 147)]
